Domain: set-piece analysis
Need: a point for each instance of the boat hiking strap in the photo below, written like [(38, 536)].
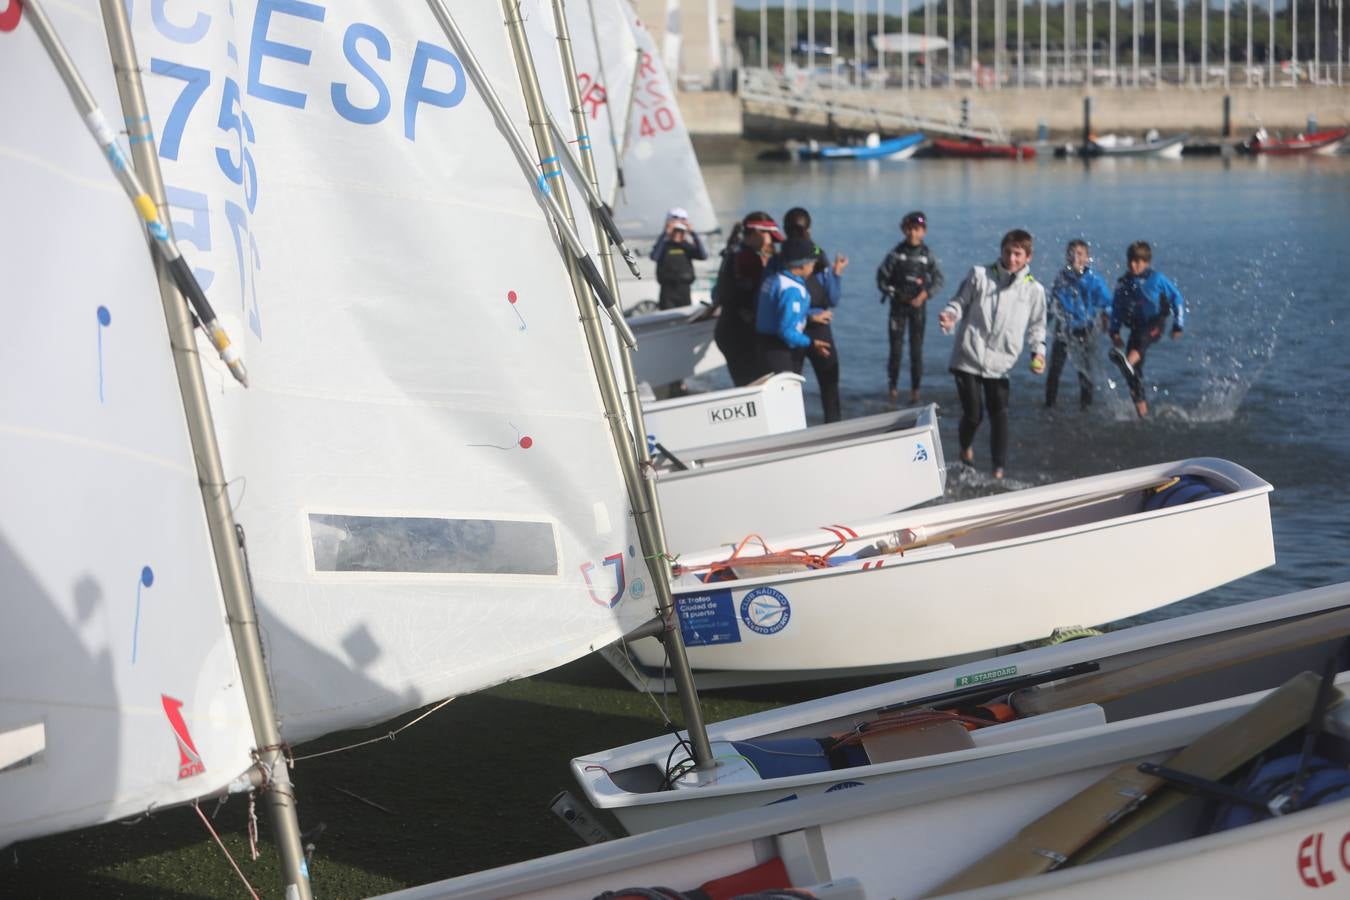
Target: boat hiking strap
[(1033, 512), (768, 558), (1057, 836), (1168, 663)]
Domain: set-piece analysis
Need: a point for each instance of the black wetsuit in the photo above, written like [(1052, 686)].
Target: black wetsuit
[(825, 367), (904, 273), (737, 294)]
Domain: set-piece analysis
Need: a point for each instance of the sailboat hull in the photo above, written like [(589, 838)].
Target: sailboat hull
[(1000, 585), (674, 344), (791, 481), (772, 405), (906, 837)]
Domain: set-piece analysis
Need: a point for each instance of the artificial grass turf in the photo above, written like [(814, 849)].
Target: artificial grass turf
[(465, 789)]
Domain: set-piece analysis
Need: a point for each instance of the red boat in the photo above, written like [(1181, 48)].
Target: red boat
[(977, 148), (1323, 141)]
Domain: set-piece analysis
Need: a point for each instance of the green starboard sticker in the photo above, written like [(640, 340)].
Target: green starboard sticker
[(982, 677)]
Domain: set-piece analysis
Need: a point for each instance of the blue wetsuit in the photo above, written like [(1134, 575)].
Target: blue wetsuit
[(1077, 301), (1143, 304), (780, 322)]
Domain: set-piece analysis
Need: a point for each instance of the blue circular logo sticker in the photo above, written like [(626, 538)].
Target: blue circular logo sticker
[(637, 589), (765, 611)]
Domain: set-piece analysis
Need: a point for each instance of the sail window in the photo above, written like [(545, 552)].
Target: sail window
[(424, 545)]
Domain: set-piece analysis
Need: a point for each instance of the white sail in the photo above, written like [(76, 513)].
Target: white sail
[(120, 687), (605, 78), (660, 167), (428, 485)]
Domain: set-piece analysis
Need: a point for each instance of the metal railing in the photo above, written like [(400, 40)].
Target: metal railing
[(850, 107)]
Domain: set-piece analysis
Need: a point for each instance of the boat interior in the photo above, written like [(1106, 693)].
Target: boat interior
[(1092, 692)]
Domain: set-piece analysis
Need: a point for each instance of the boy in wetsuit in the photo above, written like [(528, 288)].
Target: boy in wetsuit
[(1078, 300), (1144, 300), (823, 289), (996, 311), (909, 276), (780, 319), (675, 252)]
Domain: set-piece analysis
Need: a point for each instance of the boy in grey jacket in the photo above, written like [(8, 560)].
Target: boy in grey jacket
[(997, 309)]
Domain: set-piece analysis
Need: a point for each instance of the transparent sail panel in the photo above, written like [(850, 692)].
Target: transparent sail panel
[(432, 546)]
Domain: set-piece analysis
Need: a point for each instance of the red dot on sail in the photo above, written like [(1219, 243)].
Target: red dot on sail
[(511, 296), (526, 442)]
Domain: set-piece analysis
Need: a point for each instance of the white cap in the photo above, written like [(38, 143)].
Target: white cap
[(677, 212)]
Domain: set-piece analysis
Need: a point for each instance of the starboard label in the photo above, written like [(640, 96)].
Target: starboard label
[(982, 677)]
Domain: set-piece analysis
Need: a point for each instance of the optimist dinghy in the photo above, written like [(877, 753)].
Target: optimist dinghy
[(770, 405), (791, 481), (908, 591), (990, 823), (674, 344)]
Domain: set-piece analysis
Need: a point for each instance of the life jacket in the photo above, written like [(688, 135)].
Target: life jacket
[(675, 266)]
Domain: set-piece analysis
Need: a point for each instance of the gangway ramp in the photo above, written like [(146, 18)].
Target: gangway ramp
[(775, 96)]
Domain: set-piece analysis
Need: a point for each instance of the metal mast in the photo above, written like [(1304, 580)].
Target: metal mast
[(279, 794)]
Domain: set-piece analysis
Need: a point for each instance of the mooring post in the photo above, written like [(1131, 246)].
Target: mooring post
[(1227, 116), (1087, 121)]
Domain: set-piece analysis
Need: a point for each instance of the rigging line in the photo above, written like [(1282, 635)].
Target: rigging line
[(389, 736), (628, 658), (224, 850)]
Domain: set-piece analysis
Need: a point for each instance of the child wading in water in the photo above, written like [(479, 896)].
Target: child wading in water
[(909, 277), (996, 309), (1144, 300), (1078, 300)]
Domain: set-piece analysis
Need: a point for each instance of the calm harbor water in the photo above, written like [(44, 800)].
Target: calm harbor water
[(1262, 377)]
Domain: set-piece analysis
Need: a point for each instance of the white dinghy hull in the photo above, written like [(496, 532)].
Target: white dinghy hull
[(801, 479), (994, 586), (640, 764), (674, 344), (907, 837), (771, 405)]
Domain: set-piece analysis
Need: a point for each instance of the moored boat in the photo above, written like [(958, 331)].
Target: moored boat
[(996, 822), (901, 147), (978, 148), (769, 405), (1153, 145), (792, 481), (1312, 142), (859, 598), (674, 344)]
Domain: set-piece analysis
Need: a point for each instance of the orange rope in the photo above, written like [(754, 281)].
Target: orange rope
[(768, 558)]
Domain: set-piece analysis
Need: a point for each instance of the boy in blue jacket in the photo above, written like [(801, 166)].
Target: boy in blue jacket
[(781, 341), (1144, 300), (1078, 300)]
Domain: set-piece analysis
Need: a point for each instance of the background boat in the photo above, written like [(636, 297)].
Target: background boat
[(978, 148), (1164, 147), (902, 147), (1316, 141)]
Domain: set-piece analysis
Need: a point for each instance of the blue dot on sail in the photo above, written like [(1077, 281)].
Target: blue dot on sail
[(147, 576), (104, 317)]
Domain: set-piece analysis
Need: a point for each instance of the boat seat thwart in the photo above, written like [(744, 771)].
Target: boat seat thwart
[(1086, 824)]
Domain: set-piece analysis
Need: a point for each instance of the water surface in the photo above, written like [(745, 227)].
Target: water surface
[(1260, 248)]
